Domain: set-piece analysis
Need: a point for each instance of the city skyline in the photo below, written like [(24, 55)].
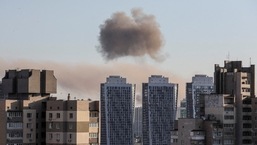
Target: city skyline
[(63, 36)]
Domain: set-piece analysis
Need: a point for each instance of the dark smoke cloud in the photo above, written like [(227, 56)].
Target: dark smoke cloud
[(122, 35)]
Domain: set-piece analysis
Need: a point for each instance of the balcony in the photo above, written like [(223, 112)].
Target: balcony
[(94, 119), (197, 135), (14, 119), (14, 141)]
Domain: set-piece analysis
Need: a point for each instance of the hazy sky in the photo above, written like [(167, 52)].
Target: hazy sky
[(63, 35)]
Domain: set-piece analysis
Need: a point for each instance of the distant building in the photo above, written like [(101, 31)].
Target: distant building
[(229, 114), (72, 122), (216, 127), (200, 85), (137, 122), (22, 84), (159, 110), (181, 111), (117, 101)]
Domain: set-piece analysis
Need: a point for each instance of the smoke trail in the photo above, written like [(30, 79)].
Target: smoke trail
[(122, 35)]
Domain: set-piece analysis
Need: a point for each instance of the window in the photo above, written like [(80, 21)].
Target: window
[(228, 117), (93, 124), (70, 125), (57, 136), (50, 125), (50, 136), (93, 114), (71, 115), (58, 115), (29, 135), (16, 125), (247, 117), (29, 115), (29, 125), (93, 135), (57, 126), (50, 115), (228, 109)]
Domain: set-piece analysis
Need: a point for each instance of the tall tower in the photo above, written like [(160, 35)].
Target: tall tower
[(116, 112), (159, 110), (238, 81), (200, 85)]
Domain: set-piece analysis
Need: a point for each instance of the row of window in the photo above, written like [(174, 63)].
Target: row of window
[(94, 124), (15, 135), (58, 115), (57, 125), (14, 114), (93, 135), (14, 125), (228, 117)]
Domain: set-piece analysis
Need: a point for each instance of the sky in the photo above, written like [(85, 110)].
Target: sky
[(64, 35)]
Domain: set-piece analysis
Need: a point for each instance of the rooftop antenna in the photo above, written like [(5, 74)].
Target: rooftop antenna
[(250, 61)]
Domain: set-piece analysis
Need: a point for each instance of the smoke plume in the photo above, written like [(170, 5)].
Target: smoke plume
[(122, 35), (83, 80)]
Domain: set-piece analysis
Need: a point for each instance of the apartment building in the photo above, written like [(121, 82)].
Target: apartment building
[(72, 122), (117, 102), (23, 121), (23, 104), (239, 82), (159, 110)]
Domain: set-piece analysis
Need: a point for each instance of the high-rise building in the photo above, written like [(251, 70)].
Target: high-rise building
[(25, 83), (239, 82), (200, 85), (117, 98), (159, 110), (72, 122)]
